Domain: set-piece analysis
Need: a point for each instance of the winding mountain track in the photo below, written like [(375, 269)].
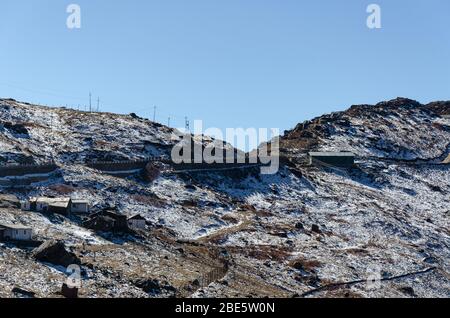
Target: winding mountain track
[(244, 220)]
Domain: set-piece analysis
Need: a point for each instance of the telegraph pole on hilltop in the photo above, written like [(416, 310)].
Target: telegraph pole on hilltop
[(154, 114), (90, 102), (98, 104), (188, 128), (168, 122)]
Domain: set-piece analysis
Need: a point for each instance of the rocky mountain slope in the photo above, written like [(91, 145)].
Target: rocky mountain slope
[(305, 231)]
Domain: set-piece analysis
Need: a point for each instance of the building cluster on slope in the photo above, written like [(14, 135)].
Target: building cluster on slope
[(108, 221), (63, 206)]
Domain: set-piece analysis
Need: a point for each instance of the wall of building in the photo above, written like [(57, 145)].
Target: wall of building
[(19, 234), (212, 166), (137, 224), (22, 170), (24, 181), (79, 208), (117, 166)]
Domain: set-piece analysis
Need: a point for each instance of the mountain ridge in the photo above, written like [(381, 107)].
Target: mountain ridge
[(298, 232)]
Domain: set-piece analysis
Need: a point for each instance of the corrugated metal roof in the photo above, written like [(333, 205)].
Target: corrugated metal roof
[(80, 201), (59, 204), (53, 200), (14, 227)]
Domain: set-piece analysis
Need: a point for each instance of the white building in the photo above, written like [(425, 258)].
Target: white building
[(137, 222), (56, 205), (28, 205), (79, 206), (15, 233), (25, 205), (42, 204)]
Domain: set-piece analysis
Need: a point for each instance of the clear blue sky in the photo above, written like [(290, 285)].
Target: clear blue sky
[(232, 63)]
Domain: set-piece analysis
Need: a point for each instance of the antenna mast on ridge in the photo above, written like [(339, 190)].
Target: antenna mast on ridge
[(187, 124)]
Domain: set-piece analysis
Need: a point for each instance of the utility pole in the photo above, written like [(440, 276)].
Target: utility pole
[(168, 122), (90, 102), (98, 104), (188, 128), (154, 114)]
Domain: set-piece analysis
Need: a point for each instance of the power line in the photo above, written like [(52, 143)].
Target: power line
[(48, 92), (60, 94)]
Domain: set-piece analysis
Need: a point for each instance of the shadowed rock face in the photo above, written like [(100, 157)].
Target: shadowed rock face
[(16, 129), (399, 129), (441, 108), (54, 252)]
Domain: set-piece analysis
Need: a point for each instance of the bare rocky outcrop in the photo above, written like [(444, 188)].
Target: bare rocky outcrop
[(155, 287), (55, 252)]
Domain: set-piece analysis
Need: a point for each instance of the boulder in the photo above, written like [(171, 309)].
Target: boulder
[(316, 229), (155, 287), (299, 226), (152, 172), (23, 293), (409, 291), (16, 129), (54, 252)]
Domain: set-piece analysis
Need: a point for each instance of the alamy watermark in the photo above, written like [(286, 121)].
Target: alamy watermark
[(74, 276), (74, 19), (373, 273), (264, 144), (374, 19)]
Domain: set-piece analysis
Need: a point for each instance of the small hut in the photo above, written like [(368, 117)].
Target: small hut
[(59, 206), (137, 222), (15, 232), (79, 206)]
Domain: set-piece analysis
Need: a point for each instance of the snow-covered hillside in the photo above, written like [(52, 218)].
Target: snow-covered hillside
[(297, 233), (38, 133)]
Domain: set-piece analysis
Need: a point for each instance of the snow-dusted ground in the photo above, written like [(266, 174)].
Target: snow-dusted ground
[(285, 234)]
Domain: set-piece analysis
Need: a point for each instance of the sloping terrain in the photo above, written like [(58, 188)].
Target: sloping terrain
[(305, 231)]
